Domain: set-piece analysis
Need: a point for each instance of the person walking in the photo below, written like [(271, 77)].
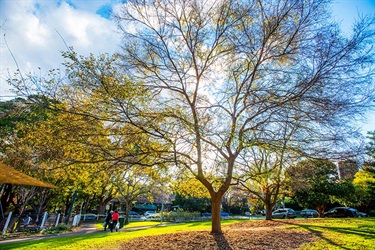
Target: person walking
[(26, 221), (108, 220), (114, 220)]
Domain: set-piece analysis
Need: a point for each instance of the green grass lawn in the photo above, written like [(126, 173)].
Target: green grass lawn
[(132, 224), (331, 233), (335, 234)]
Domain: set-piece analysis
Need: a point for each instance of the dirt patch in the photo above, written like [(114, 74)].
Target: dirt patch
[(247, 235)]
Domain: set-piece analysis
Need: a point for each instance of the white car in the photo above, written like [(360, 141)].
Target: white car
[(145, 218), (284, 213), (149, 213), (89, 216)]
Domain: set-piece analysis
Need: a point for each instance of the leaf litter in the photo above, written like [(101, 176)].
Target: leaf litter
[(260, 235)]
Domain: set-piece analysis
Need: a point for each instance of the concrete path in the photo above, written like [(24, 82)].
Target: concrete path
[(86, 228)]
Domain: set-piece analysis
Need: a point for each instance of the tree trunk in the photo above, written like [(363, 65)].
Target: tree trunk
[(7, 197), (128, 208), (321, 209), (215, 213), (268, 213), (103, 201), (269, 202), (268, 208)]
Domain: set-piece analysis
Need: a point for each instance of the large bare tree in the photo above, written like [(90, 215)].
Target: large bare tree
[(204, 79), (220, 71)]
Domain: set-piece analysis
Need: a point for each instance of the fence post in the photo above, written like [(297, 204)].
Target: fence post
[(44, 219), (57, 221), (7, 223)]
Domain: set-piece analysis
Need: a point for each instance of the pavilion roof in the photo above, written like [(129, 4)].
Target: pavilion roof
[(9, 175)]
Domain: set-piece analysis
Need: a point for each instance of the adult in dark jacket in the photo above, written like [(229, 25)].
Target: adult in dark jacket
[(108, 220)]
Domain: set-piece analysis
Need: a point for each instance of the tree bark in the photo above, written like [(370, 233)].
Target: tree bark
[(269, 207), (128, 208), (103, 203), (215, 213), (321, 209)]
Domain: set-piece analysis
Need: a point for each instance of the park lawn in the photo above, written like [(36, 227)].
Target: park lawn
[(331, 234), (132, 224), (106, 240), (335, 234)]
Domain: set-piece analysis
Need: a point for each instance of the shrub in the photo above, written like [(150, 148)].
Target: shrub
[(59, 229), (180, 215)]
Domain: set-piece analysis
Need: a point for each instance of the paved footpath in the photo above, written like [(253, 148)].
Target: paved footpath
[(86, 228)]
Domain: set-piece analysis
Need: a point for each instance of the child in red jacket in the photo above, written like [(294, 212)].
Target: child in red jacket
[(114, 220)]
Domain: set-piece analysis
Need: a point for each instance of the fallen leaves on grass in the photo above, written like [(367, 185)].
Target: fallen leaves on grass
[(247, 235)]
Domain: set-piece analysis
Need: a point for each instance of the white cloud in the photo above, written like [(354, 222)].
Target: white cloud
[(32, 31), (31, 26)]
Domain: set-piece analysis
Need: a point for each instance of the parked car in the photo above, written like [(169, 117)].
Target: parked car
[(224, 214), (151, 216), (206, 214), (89, 216), (155, 215), (145, 218), (341, 212), (284, 213), (361, 214), (309, 213), (133, 214), (148, 213)]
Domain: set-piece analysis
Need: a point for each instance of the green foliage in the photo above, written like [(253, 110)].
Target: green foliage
[(314, 183), (180, 215), (59, 229), (364, 183), (344, 193), (192, 203), (20, 110), (364, 180)]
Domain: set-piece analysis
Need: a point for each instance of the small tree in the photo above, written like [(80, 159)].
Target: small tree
[(133, 183), (315, 183), (364, 181), (263, 176)]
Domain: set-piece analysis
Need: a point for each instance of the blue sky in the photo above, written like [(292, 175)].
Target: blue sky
[(31, 30)]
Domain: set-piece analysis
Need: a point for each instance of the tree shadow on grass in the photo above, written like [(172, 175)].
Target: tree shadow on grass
[(52, 241), (314, 229)]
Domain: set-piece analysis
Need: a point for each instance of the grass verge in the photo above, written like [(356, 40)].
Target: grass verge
[(338, 234), (107, 240), (331, 234)]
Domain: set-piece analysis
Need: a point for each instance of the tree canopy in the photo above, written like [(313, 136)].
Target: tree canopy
[(201, 82), (315, 183), (221, 72)]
